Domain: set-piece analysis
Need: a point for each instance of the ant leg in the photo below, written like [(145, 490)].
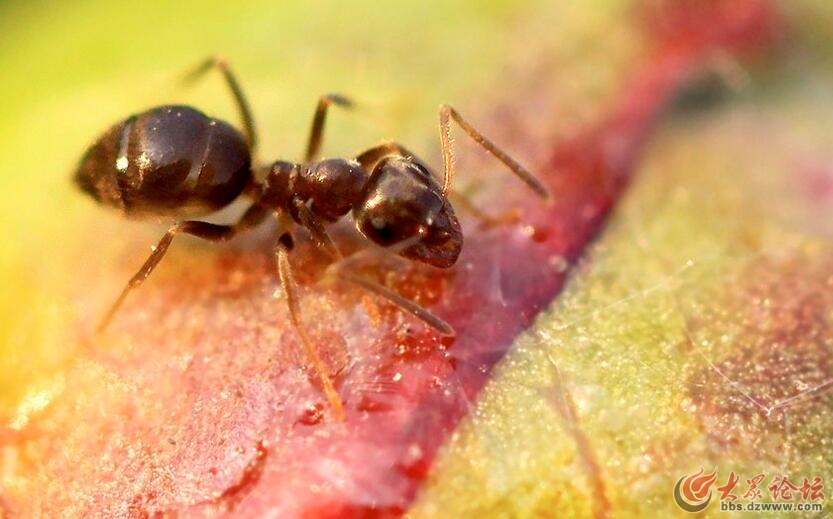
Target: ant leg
[(323, 240), (207, 231), (341, 270), (316, 133), (220, 64), (510, 216), (290, 290), (446, 114), (400, 302), (289, 286), (313, 224), (370, 157)]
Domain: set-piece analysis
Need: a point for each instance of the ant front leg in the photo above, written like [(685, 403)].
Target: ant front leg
[(406, 305), (323, 240), (315, 227), (290, 290), (370, 157), (220, 64), (316, 134), (207, 231), (289, 286)]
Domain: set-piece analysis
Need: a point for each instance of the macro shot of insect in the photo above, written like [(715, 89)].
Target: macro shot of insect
[(428, 260), (174, 162)]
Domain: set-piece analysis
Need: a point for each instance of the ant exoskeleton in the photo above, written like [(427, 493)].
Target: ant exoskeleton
[(175, 162)]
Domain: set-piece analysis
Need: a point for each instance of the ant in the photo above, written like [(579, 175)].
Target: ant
[(177, 163)]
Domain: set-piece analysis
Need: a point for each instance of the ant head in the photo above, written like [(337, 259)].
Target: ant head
[(402, 203)]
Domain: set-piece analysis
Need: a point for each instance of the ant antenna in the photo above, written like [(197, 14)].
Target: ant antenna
[(446, 114)]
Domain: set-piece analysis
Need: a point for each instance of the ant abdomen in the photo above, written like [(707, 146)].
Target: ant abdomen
[(170, 161)]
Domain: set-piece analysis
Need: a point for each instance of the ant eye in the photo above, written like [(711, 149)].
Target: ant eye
[(387, 224), (385, 233)]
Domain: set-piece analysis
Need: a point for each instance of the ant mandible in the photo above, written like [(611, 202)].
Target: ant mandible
[(175, 162)]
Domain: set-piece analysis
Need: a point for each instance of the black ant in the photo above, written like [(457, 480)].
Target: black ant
[(175, 162)]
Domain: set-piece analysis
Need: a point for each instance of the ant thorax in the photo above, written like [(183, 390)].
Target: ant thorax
[(330, 187)]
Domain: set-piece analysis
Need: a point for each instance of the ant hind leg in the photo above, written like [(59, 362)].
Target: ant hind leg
[(219, 63), (207, 231)]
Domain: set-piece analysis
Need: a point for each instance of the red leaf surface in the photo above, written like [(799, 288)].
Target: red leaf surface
[(207, 410)]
